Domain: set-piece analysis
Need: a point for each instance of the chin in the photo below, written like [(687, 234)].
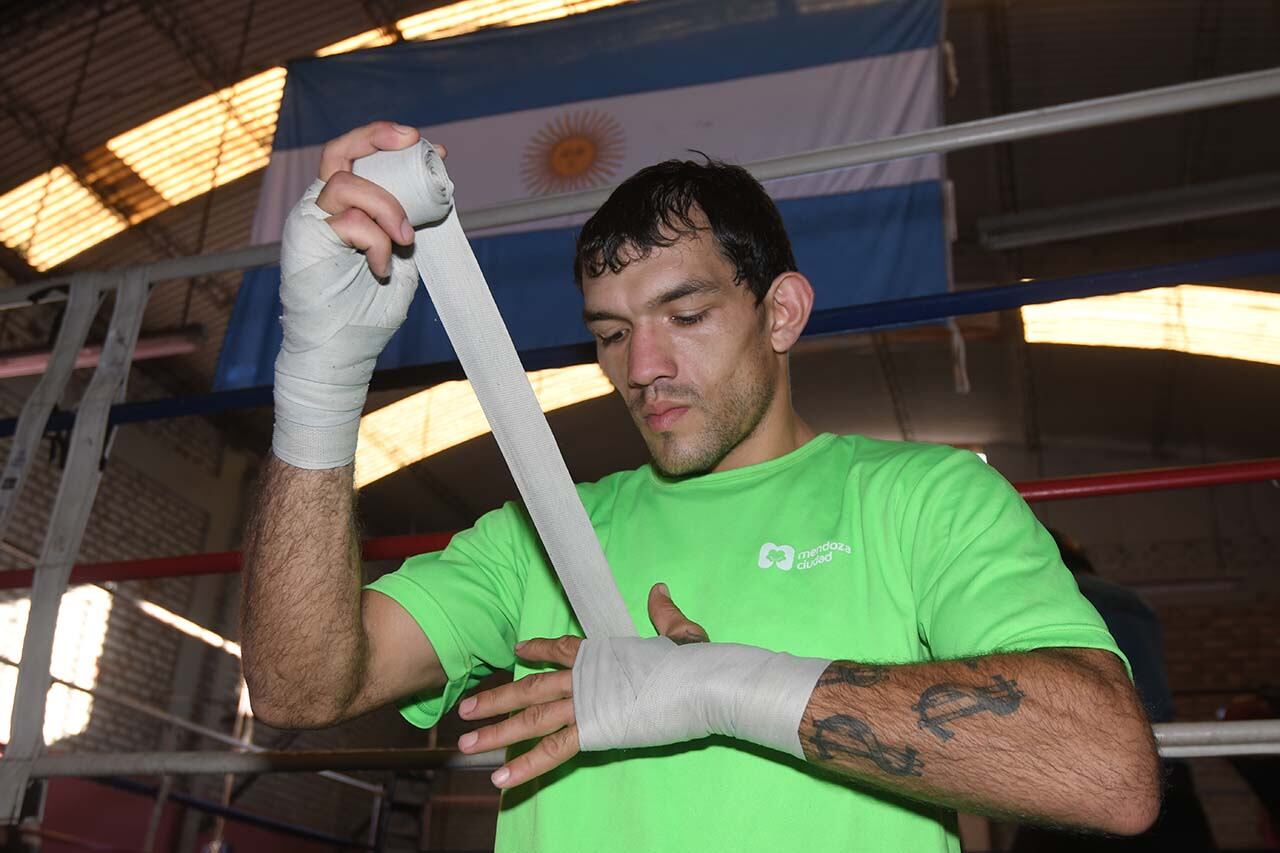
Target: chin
[(674, 458)]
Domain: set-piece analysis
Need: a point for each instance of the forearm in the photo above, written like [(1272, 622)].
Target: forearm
[(304, 645), (1053, 736)]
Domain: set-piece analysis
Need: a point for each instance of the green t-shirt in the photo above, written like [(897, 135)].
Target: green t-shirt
[(848, 547)]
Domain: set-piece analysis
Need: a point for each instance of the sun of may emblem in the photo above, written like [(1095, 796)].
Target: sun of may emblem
[(575, 151)]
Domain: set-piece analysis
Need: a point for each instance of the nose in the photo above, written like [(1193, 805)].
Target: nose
[(649, 358)]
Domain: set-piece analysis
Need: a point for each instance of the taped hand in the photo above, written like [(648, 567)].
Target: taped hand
[(345, 292), (545, 701)]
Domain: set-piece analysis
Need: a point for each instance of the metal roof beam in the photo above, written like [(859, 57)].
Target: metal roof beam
[(20, 20), (15, 266), (197, 52), (30, 120), (190, 45), (1131, 212), (384, 15)]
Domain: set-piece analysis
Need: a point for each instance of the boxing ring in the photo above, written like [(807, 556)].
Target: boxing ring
[(1176, 740)]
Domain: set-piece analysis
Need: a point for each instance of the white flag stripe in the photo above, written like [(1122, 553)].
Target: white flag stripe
[(740, 120)]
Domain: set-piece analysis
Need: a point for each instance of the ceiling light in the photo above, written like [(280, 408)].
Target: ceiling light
[(446, 415), (360, 41), (1190, 318), (208, 142), (470, 15), (53, 217)]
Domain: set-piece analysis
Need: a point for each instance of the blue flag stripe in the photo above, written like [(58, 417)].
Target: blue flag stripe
[(648, 46)]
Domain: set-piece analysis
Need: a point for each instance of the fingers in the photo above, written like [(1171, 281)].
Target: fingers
[(530, 723), (339, 154), (562, 650), (528, 691), (552, 751), (362, 233), (669, 621), (346, 191)]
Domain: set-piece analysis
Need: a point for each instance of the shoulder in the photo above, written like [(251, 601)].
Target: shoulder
[(904, 466), (510, 523), (881, 451)]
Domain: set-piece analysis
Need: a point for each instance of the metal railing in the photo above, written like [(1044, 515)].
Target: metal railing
[(115, 698), (1175, 740)]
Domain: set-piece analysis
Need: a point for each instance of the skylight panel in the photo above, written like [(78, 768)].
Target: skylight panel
[(52, 217), (446, 415), (1191, 318)]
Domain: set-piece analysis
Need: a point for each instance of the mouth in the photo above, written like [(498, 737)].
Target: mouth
[(662, 417)]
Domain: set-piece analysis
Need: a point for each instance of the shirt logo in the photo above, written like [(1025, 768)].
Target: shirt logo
[(786, 558), (782, 556)]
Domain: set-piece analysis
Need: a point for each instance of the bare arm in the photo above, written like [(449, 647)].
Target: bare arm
[(1054, 736), (1051, 736), (316, 650)]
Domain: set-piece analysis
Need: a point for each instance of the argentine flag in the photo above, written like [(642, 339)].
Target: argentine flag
[(588, 100)]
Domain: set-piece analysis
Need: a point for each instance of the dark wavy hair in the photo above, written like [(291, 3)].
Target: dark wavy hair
[(659, 205)]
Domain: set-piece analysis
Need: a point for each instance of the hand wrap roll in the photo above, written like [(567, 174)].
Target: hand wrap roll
[(631, 692), (441, 253)]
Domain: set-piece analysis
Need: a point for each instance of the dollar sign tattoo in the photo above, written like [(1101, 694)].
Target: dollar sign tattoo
[(945, 702), (851, 736)]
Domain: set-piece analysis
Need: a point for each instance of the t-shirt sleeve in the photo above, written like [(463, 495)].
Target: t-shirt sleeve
[(466, 599), (987, 576)]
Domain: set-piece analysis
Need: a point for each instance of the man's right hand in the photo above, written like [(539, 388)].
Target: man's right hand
[(345, 291)]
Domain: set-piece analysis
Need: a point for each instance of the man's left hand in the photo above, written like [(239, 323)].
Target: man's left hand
[(544, 700)]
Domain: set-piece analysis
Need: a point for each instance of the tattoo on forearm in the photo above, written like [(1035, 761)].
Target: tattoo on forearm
[(971, 663), (842, 734), (945, 702), (854, 674)]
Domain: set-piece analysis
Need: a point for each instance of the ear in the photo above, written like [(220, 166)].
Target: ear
[(788, 304)]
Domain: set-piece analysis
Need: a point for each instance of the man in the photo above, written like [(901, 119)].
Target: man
[(948, 660)]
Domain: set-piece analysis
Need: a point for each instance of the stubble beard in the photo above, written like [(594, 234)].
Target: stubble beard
[(730, 420)]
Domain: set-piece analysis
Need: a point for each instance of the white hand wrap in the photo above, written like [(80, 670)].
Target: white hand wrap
[(337, 318), (630, 692)]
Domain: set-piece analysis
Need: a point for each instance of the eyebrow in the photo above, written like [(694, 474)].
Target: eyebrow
[(689, 287)]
